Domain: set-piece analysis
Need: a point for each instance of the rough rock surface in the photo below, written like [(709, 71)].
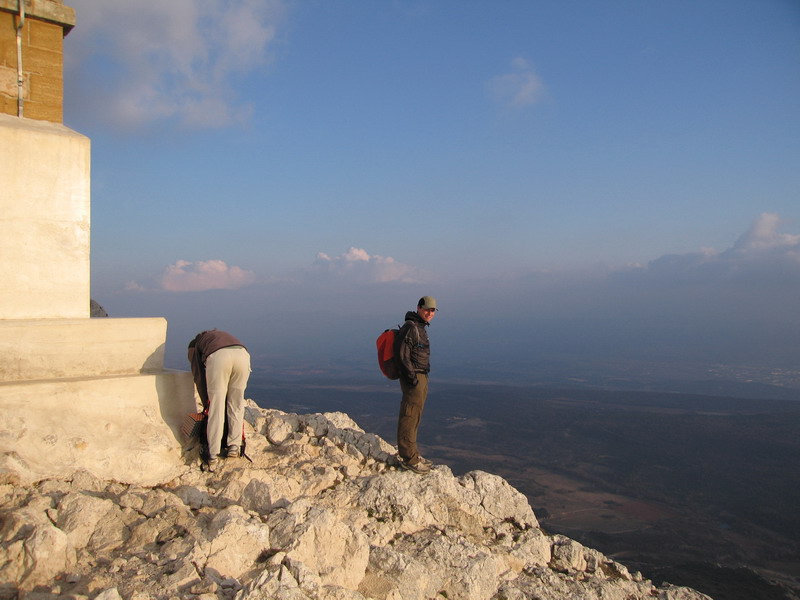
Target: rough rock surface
[(322, 512)]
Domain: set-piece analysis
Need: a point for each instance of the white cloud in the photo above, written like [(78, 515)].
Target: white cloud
[(761, 259), (763, 236), (359, 266), (738, 304), (153, 60), (133, 286), (519, 88), (757, 277), (185, 276)]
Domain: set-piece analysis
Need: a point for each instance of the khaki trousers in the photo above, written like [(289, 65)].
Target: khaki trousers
[(227, 372), (411, 407)]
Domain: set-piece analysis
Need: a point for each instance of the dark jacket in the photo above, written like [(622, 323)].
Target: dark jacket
[(200, 348), (413, 348)]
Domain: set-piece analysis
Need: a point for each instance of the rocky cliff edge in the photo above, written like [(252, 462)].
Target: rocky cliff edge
[(322, 512)]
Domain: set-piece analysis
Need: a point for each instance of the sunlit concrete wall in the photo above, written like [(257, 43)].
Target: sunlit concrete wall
[(123, 428), (67, 348), (44, 219)]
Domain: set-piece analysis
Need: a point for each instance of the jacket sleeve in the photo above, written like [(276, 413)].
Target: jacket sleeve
[(198, 373), (405, 346)]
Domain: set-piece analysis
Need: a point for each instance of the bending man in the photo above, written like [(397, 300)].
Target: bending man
[(221, 368)]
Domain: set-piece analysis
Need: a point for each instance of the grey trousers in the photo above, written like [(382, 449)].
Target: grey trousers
[(410, 415), (227, 372)]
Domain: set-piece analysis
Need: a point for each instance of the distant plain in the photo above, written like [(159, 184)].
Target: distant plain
[(694, 489)]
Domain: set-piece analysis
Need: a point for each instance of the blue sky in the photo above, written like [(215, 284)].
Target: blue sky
[(600, 177)]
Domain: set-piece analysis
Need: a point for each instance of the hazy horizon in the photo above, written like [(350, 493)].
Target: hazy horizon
[(673, 320), (573, 181)]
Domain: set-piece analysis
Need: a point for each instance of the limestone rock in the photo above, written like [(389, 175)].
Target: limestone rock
[(79, 514), (321, 512), (237, 541), (33, 550), (96, 311), (323, 540)]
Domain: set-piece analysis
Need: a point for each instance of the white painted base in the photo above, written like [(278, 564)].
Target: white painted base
[(122, 428)]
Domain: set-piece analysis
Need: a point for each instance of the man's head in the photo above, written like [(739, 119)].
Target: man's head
[(426, 308)]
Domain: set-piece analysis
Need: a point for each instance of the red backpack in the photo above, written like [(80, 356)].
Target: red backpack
[(386, 358)]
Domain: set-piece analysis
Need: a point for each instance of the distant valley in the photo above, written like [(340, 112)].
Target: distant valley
[(686, 488)]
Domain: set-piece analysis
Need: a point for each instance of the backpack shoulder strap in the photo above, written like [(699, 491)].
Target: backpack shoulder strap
[(412, 326)]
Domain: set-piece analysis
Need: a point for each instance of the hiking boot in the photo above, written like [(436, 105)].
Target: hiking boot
[(422, 459), (420, 466), (232, 452), (212, 464)]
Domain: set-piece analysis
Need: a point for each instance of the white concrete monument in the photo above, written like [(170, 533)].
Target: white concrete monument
[(75, 392)]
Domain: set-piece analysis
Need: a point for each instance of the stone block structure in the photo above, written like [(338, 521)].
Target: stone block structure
[(31, 54), (75, 392)]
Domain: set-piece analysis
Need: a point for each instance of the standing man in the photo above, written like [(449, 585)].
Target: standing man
[(414, 352), (221, 368)]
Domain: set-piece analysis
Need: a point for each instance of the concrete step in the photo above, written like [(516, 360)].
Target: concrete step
[(34, 349)]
